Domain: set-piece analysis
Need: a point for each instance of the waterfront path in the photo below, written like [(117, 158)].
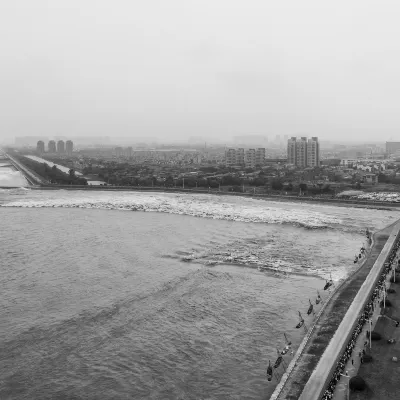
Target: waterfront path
[(330, 320), (322, 373)]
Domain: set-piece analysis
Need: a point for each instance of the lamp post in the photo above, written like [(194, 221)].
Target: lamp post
[(384, 297)]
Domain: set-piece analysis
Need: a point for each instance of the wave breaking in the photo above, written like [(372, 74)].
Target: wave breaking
[(196, 206)]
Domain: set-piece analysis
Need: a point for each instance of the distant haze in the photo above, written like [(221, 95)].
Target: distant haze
[(214, 69)]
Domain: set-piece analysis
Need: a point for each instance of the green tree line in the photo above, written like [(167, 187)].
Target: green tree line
[(52, 174)]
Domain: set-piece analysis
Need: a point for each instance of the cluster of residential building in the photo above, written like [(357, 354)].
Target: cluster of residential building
[(168, 156), (248, 158), (60, 147), (362, 165)]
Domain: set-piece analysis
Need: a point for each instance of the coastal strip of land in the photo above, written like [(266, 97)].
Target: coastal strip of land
[(330, 320)]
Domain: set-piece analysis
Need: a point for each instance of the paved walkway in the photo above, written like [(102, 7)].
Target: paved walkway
[(341, 389)]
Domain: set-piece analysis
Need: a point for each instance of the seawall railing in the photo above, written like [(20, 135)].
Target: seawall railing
[(321, 376)]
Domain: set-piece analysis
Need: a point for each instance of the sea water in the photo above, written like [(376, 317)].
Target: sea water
[(121, 295)]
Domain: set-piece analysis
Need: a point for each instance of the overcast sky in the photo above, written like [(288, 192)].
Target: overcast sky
[(213, 68)]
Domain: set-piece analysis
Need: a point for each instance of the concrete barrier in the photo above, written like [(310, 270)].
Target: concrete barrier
[(321, 376)]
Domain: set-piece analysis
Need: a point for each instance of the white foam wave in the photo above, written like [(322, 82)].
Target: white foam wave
[(197, 206)]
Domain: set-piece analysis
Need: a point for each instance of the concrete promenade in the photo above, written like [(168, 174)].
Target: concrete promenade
[(322, 374)]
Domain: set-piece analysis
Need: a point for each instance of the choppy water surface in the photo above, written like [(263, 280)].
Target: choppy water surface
[(9, 177), (99, 302)]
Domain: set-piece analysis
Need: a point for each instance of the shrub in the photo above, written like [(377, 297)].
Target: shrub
[(390, 290), (376, 336), (367, 358), (357, 383), (388, 303)]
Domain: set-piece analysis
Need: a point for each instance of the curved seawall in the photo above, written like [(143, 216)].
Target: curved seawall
[(322, 374)]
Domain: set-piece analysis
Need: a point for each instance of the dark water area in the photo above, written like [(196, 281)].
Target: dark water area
[(113, 304)]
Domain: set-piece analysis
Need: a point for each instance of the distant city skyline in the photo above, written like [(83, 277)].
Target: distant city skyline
[(232, 141)]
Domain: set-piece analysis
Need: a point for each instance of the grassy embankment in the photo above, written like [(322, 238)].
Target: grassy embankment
[(330, 320)]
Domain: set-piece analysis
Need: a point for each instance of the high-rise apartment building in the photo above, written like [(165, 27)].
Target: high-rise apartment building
[(240, 156), (51, 146), (313, 152), (69, 147), (302, 152), (291, 150), (61, 147), (250, 158), (230, 157), (260, 156), (40, 146)]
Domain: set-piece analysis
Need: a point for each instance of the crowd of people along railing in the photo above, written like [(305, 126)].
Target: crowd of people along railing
[(363, 319)]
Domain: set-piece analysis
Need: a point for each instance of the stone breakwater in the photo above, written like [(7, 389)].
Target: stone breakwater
[(324, 378)]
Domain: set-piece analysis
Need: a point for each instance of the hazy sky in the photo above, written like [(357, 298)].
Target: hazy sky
[(216, 68)]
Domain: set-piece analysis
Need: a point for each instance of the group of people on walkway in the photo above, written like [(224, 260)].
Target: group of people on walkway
[(366, 314)]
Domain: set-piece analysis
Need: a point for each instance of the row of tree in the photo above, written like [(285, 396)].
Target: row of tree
[(52, 174)]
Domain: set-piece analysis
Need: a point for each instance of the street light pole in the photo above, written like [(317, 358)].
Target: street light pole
[(384, 297)]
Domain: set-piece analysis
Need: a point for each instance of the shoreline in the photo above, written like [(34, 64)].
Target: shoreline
[(326, 325)]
